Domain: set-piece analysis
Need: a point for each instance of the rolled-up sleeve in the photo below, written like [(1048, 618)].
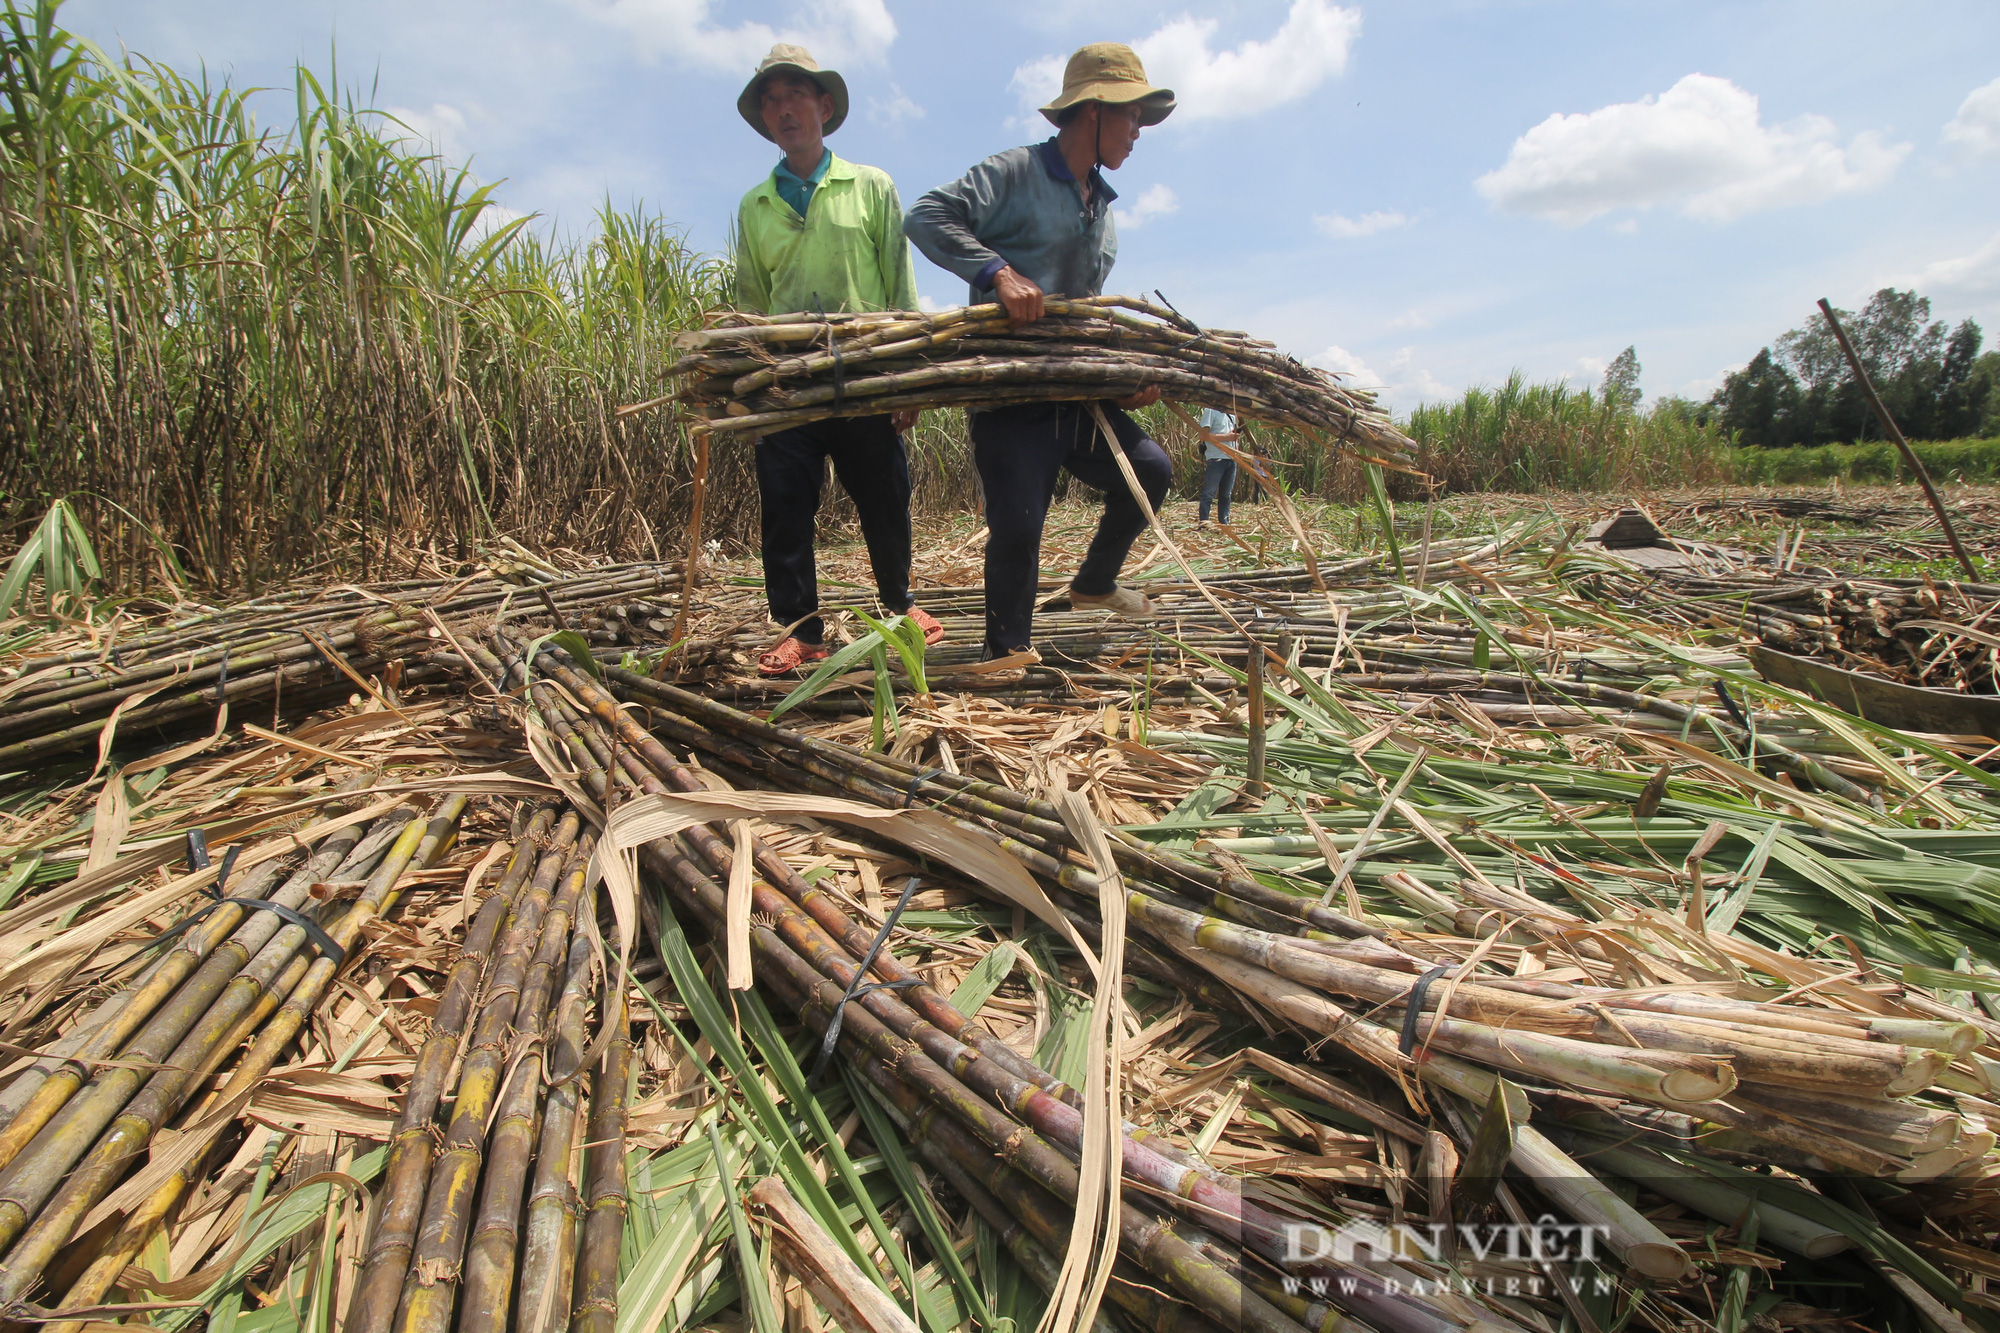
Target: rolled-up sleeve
[(945, 224)]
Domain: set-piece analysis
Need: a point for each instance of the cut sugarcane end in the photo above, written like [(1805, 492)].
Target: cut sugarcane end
[(1661, 1263), (1686, 1085)]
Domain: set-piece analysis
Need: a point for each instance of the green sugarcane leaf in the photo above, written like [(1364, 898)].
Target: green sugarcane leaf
[(889, 1142), (774, 1132), (85, 557), (826, 672), (578, 649), (21, 569), (1385, 515), (897, 634), (986, 976), (749, 1263), (19, 873), (1731, 1317), (784, 1066)]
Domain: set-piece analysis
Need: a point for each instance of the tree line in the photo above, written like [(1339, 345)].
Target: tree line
[(1935, 380)]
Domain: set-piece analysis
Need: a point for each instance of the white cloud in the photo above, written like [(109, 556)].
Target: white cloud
[(1976, 127), (927, 305), (440, 130), (1405, 385), (1310, 47), (1345, 228), (837, 32), (1156, 202), (1970, 277), (1700, 146), (1345, 363), (1593, 367), (893, 110)]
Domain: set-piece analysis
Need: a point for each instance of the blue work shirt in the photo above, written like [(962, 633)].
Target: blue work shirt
[(797, 190), (1215, 422), (1023, 208)]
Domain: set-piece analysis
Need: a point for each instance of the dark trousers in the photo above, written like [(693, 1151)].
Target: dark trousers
[(1218, 480), (1019, 452), (869, 461)]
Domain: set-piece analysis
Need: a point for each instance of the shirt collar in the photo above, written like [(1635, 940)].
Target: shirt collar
[(1058, 168), (819, 172)]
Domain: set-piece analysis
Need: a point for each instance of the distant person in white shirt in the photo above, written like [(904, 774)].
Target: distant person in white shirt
[(1218, 477)]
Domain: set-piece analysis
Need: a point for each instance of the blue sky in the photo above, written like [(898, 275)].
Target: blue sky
[(1423, 194)]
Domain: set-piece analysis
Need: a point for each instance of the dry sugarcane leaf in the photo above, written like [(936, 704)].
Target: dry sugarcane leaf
[(1093, 1245), (664, 814), (736, 909)]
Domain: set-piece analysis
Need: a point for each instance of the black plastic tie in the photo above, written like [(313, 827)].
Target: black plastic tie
[(1414, 1006), (861, 986)]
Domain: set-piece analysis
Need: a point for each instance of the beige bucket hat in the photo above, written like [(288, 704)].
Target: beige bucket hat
[(1111, 72), (786, 59)]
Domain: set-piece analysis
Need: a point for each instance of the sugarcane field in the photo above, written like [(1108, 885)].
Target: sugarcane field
[(861, 764)]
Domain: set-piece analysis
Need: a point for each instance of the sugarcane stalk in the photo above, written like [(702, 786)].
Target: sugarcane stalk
[(490, 1256), (549, 1251), (1021, 1096), (100, 1035), (57, 1126), (399, 1205), (596, 1307), (1714, 1198), (430, 1289), (1637, 1242), (421, 842), (794, 978), (1133, 856), (1033, 1226)]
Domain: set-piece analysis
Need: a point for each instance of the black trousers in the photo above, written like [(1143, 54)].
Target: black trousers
[(869, 461), (1019, 452)]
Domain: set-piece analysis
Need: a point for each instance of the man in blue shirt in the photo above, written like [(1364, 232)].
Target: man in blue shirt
[(1218, 474), (1023, 223)]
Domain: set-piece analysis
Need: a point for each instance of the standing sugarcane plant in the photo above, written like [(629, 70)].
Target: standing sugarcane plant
[(61, 550)]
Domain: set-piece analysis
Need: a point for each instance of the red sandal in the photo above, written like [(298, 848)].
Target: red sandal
[(928, 623), (790, 655)]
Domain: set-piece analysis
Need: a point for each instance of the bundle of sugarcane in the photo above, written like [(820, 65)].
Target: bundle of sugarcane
[(1933, 636), (976, 1108), (760, 375), (447, 1247), (290, 655), (76, 1122), (1826, 1089)]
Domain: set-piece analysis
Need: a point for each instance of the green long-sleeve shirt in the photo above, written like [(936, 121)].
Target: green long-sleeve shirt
[(846, 253)]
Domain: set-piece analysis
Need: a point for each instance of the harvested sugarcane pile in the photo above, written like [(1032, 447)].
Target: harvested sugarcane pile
[(291, 651), (1454, 904), (1945, 636), (748, 373)]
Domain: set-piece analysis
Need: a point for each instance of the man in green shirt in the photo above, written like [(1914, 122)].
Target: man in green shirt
[(821, 234)]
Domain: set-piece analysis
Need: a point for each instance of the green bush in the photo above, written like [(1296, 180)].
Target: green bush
[(1949, 460)]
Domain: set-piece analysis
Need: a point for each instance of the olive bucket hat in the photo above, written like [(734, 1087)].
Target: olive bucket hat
[(1111, 72), (785, 59)]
